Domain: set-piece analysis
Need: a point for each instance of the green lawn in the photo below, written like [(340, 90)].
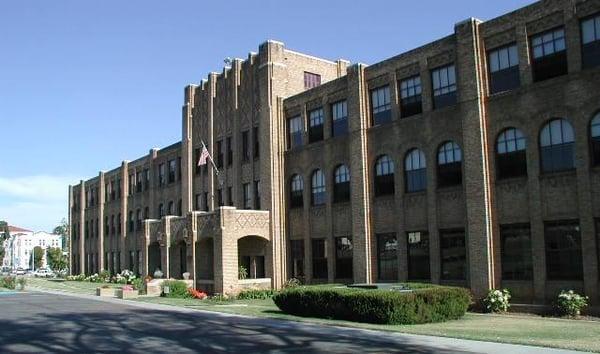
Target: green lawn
[(510, 328)]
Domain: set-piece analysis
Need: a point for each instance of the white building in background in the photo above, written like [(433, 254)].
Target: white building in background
[(21, 243)]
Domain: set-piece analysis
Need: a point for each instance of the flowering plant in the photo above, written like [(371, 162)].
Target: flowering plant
[(127, 288), (197, 294), (497, 300), (570, 303)]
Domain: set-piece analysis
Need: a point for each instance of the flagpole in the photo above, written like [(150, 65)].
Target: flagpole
[(212, 162)]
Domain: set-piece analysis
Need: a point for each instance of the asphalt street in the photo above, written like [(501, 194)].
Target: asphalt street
[(41, 322)]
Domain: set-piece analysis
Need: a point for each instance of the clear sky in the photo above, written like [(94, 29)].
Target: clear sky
[(87, 84)]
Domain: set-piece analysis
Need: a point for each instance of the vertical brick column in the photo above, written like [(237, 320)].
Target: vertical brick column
[(165, 245), (100, 235), (124, 214), (359, 182), (209, 139), (476, 181), (187, 160), (144, 250), (81, 232), (69, 233)]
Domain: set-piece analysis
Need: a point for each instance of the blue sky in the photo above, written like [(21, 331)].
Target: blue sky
[(87, 84)]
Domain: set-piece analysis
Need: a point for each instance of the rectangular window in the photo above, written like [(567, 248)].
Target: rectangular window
[(255, 143), (161, 174), (504, 69), (444, 86), (297, 258), (229, 151), (245, 146), (418, 255), (339, 114), (315, 131), (381, 106), (247, 196), (311, 80), (131, 184), (410, 96), (387, 257), (294, 132), (256, 195), (146, 179), (343, 258), (219, 154), (172, 170), (516, 252), (205, 201), (198, 203), (453, 254), (138, 182), (549, 54), (563, 250), (319, 258), (220, 197), (590, 40), (229, 196)]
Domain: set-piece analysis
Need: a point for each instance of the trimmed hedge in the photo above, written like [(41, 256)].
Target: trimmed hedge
[(177, 289), (436, 304)]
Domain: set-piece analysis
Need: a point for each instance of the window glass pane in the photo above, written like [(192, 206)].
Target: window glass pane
[(513, 55), (596, 126), (494, 63), (588, 31), (504, 61)]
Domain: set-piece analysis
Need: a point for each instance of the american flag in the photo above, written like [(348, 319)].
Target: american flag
[(204, 155)]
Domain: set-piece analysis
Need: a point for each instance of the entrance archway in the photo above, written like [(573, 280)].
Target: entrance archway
[(251, 256)]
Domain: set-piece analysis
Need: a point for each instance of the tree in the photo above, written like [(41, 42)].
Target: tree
[(63, 230), (57, 261), (37, 254), (4, 235)]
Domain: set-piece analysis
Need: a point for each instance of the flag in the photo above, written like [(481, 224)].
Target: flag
[(203, 156)]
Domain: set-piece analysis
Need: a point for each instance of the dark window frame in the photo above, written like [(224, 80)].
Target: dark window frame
[(590, 50), (460, 258), (343, 257), (415, 171), (418, 257), (318, 188), (341, 184), (516, 256), (339, 118), (296, 191), (295, 130), (411, 96), (506, 76), (387, 256), (511, 154), (319, 258), (381, 105), (315, 126), (384, 182), (550, 63), (558, 261), (449, 173), (445, 94), (557, 157)]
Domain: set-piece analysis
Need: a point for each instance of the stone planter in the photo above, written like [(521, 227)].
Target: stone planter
[(106, 292), (127, 294)]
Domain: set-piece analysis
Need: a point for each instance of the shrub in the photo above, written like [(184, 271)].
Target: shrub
[(78, 277), (104, 276), (8, 282), (569, 303), (138, 284), (435, 304), (197, 294), (242, 272), (497, 300), (254, 294), (21, 281), (292, 283), (177, 289)]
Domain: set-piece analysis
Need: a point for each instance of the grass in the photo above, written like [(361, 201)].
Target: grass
[(509, 328)]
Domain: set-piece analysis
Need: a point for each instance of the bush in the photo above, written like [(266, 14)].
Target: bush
[(8, 282), (21, 281), (138, 284), (497, 300), (434, 304), (177, 289), (254, 294), (569, 303), (78, 277), (292, 283)]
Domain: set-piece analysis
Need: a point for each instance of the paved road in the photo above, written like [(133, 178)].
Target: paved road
[(42, 322)]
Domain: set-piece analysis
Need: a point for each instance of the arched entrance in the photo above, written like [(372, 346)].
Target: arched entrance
[(251, 257), (178, 260)]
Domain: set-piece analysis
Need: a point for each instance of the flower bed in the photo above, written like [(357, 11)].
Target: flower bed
[(426, 305)]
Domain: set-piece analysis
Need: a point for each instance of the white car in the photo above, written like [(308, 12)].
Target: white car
[(43, 273), (20, 271)]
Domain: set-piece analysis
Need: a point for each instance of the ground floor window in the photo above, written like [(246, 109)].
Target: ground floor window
[(453, 254), (297, 258), (132, 260), (254, 265), (343, 257), (140, 266), (319, 259), (563, 250), (516, 252), (418, 255), (387, 256)]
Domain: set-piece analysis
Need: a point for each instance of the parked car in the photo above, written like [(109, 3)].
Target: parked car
[(20, 271), (43, 273), (5, 271)]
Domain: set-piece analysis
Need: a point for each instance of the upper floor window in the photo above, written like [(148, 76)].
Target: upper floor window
[(511, 160), (504, 69), (256, 142), (381, 106), (295, 132), (415, 171), (219, 154), (595, 140), (557, 146), (130, 221), (410, 96), (341, 186), (256, 195), (131, 184), (296, 191), (171, 209), (138, 182), (146, 179), (315, 131), (245, 146), (229, 152), (311, 80), (339, 113), (172, 170), (318, 188), (161, 210), (444, 86), (549, 54), (161, 174), (590, 40), (138, 219), (449, 165), (247, 196), (384, 176)]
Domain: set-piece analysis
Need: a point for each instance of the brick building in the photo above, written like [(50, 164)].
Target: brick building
[(472, 160)]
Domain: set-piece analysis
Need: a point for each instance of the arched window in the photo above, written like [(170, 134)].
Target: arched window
[(511, 160), (318, 188), (415, 171), (595, 140), (449, 165), (384, 176), (557, 146), (296, 192), (341, 186)]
